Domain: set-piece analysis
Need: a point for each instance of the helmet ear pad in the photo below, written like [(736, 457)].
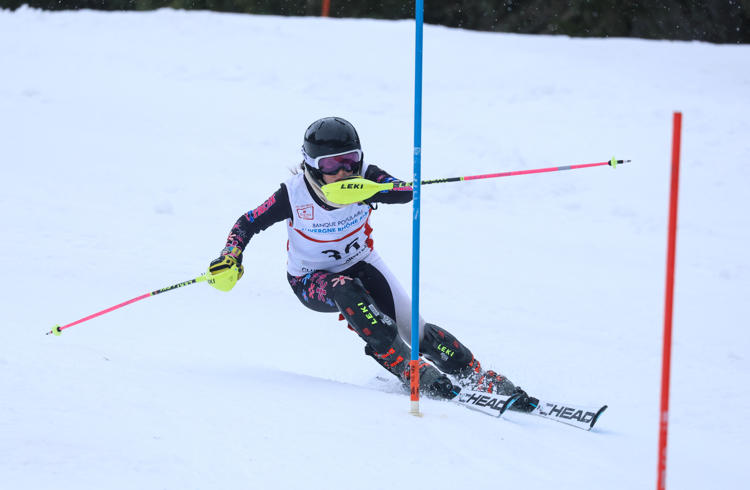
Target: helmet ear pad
[(313, 172)]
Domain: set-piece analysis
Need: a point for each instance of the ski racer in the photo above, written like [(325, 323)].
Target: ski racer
[(333, 267)]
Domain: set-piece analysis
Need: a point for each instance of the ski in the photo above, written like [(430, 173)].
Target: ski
[(487, 403), (495, 405), (574, 415), (492, 404)]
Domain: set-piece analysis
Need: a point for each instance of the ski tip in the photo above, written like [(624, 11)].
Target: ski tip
[(596, 417)]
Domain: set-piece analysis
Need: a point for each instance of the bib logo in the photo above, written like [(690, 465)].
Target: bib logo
[(305, 212)]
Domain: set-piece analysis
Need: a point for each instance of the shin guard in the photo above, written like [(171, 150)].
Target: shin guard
[(454, 358), (445, 351), (358, 308), (377, 329)]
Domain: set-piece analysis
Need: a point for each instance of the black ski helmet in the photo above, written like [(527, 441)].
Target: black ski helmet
[(330, 136)]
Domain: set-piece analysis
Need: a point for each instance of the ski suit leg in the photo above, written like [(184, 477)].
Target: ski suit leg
[(382, 283), (383, 342), (319, 290), (345, 292), (371, 284), (379, 287), (314, 290)]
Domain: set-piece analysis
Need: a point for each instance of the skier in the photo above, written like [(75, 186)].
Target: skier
[(332, 266)]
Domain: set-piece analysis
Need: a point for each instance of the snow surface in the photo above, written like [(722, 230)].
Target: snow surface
[(130, 143)]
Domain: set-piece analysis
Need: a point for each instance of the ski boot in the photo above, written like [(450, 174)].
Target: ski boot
[(524, 403), (475, 378), (432, 383)]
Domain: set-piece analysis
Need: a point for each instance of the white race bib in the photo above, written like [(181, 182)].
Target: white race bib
[(321, 239)]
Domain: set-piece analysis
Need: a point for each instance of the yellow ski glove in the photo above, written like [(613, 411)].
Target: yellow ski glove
[(225, 271)]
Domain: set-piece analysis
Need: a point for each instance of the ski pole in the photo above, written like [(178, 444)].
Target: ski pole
[(358, 189), (57, 330)]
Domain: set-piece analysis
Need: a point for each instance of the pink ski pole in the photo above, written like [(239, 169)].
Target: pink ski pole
[(57, 330), (612, 163)]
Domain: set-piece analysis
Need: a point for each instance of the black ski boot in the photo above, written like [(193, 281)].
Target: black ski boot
[(524, 403), (442, 388), (432, 383)]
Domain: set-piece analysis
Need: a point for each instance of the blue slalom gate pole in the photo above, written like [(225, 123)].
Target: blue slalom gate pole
[(414, 362)]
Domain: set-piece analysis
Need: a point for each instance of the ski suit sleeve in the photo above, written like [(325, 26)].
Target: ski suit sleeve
[(376, 174), (275, 209)]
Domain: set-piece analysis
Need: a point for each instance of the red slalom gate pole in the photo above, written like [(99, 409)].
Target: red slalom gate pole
[(668, 302)]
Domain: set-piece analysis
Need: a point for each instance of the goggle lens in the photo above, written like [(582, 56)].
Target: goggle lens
[(334, 163)]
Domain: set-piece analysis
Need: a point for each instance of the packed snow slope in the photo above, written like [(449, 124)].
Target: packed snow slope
[(131, 142)]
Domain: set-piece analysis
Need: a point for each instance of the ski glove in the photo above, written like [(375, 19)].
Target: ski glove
[(225, 271)]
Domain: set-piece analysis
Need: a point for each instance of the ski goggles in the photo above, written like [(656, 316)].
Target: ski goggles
[(331, 164)]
